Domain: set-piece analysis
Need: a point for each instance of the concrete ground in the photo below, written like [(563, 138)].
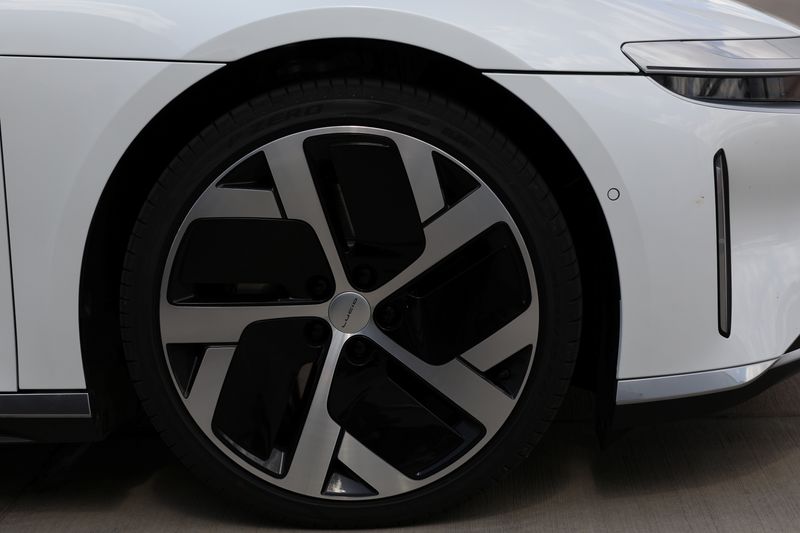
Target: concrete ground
[(735, 472)]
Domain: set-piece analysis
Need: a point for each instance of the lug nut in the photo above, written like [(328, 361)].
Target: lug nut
[(316, 333), (358, 352), (319, 287), (363, 277), (388, 316)]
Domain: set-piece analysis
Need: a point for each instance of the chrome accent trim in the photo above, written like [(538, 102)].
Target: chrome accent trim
[(642, 390), (743, 57), (631, 391), (45, 405), (788, 357)]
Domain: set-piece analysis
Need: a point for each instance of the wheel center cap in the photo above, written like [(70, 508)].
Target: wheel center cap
[(349, 312)]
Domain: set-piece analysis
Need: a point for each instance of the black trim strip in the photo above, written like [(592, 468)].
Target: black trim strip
[(10, 262), (45, 405), (722, 196), (706, 40), (228, 61), (91, 58), (561, 72)]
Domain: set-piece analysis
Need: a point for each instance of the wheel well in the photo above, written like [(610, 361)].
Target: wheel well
[(189, 113)]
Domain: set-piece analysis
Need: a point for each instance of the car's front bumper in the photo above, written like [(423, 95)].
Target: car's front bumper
[(658, 149), (722, 394), (663, 388)]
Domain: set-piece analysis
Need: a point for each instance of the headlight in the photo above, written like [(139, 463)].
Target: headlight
[(739, 71)]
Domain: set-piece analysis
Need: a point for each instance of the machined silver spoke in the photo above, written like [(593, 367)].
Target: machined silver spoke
[(205, 391), (223, 202), (289, 167), (223, 324), (511, 338), (446, 234), (466, 388), (319, 436), (376, 472)]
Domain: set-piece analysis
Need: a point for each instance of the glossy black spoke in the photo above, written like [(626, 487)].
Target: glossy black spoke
[(223, 261), (456, 183), (396, 414), (253, 174), (369, 204), (462, 300), (509, 374), (342, 481), (184, 362), (268, 389), (247, 190)]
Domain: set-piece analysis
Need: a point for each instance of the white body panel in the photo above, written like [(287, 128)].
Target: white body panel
[(547, 35), (8, 348), (67, 122), (629, 133), (61, 146)]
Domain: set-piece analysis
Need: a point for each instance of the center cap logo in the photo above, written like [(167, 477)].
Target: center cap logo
[(349, 312)]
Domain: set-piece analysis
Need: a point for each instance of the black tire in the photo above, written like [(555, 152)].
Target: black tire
[(412, 111)]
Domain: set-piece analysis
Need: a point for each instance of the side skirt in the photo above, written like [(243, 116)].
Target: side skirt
[(51, 416)]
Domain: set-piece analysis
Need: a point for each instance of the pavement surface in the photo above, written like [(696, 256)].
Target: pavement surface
[(734, 472)]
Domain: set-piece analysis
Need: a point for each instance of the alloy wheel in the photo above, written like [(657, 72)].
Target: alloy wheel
[(349, 312)]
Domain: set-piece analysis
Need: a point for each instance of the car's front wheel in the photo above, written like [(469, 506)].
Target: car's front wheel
[(350, 302)]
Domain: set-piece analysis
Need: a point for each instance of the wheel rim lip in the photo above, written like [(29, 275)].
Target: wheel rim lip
[(343, 287)]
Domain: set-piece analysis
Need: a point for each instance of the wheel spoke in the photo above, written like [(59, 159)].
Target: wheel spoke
[(418, 160), (221, 202), (202, 400), (376, 472), (223, 324), (292, 176), (444, 235), (463, 386), (319, 437), (514, 336)]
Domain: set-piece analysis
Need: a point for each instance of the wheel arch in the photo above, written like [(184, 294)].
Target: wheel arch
[(186, 116)]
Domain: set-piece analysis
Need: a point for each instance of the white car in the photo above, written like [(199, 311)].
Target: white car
[(349, 254)]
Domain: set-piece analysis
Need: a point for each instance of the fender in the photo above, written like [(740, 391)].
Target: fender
[(504, 35)]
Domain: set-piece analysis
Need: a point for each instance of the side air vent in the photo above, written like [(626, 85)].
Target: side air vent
[(723, 243)]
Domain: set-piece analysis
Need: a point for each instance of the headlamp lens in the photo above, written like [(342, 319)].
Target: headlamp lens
[(744, 71), (767, 89)]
